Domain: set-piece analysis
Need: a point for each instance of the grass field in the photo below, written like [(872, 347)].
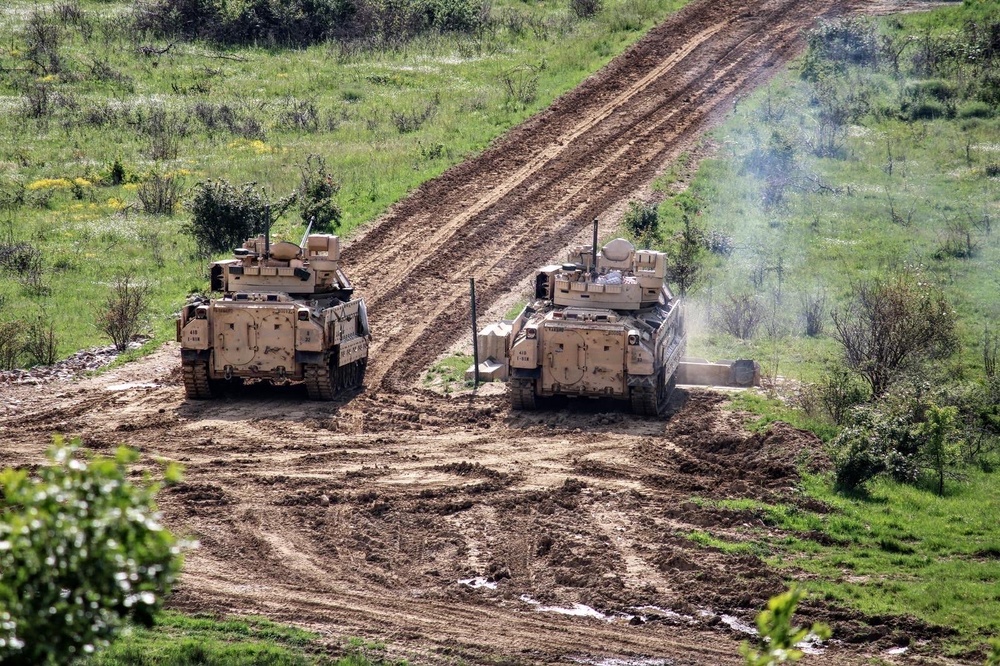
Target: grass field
[(385, 120), (818, 185), (898, 550), (180, 640)]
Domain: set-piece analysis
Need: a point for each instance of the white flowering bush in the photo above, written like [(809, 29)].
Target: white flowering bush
[(82, 551)]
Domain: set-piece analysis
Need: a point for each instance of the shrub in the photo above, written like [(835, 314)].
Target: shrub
[(779, 639), (40, 341), (926, 110), (814, 313), (223, 216), (305, 22), (839, 392), (11, 344), (937, 89), (125, 310), (739, 315), (893, 324), (316, 195), (159, 194), (975, 109), (585, 8), (81, 552), (642, 222)]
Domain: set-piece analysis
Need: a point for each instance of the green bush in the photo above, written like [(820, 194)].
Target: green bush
[(223, 215), (304, 22), (642, 221), (937, 89), (81, 552), (975, 109), (316, 195), (926, 110)]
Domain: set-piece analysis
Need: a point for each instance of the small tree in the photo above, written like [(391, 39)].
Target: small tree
[(316, 195), (81, 551), (778, 637), (684, 254), (891, 325), (124, 312), (940, 451)]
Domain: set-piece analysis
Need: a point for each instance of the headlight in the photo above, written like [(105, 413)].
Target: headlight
[(531, 333), (633, 339), (303, 315)]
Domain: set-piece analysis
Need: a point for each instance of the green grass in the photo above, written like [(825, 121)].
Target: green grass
[(181, 640), (449, 373), (729, 547), (89, 230), (835, 225), (769, 410), (899, 549)]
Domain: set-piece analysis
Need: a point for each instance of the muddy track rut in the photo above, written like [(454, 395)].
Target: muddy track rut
[(569, 527)]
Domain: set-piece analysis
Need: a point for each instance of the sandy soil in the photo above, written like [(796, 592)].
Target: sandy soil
[(362, 517)]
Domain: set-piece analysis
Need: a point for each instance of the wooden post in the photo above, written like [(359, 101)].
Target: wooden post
[(475, 333)]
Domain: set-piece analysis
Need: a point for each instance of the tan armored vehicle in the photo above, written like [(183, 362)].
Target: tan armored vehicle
[(286, 313), (605, 324)]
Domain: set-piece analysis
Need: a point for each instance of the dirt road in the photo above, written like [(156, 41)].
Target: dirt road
[(569, 528)]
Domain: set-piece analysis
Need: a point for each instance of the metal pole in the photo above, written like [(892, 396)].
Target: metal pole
[(475, 332)]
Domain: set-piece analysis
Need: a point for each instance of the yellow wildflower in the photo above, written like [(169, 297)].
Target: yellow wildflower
[(47, 183)]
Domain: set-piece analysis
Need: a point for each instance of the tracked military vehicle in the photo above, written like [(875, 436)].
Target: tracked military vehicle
[(287, 312), (604, 324)]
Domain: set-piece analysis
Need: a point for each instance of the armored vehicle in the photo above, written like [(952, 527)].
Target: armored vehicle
[(287, 312), (604, 324)]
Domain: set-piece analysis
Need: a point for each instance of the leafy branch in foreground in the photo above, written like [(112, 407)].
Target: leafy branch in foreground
[(778, 638), (82, 551)]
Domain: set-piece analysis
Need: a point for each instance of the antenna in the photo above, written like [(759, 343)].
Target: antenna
[(267, 232), (593, 251), (302, 243)]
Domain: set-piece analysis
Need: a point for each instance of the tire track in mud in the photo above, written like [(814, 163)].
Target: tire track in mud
[(519, 203)]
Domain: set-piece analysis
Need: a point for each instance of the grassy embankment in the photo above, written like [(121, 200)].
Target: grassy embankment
[(384, 120), (910, 179)]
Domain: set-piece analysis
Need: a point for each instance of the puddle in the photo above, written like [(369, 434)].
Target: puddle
[(736, 624), (579, 610), (618, 661), (647, 613), (131, 385), (478, 582)]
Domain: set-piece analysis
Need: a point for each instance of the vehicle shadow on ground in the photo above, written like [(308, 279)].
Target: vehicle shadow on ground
[(264, 400), (561, 413)]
